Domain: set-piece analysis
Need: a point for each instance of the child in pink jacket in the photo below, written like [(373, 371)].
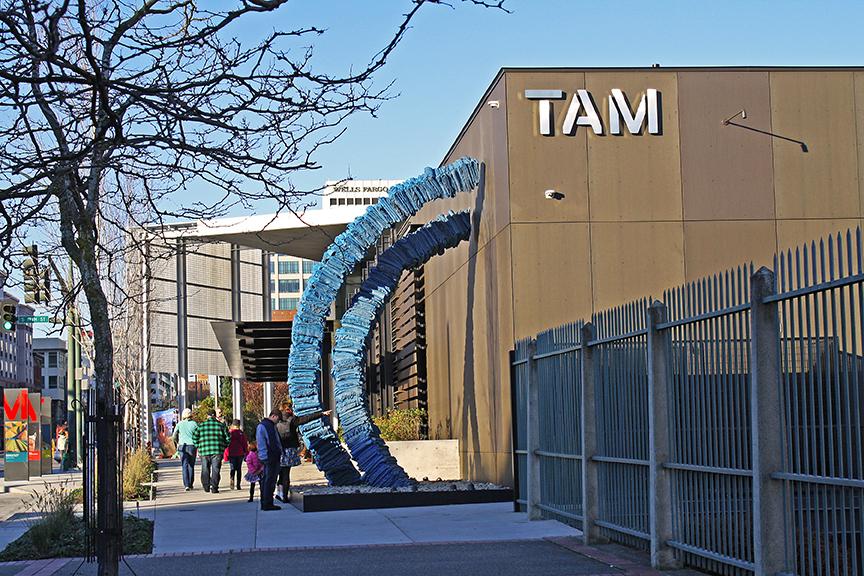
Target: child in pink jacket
[(254, 469)]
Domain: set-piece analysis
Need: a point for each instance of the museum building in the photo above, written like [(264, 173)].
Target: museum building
[(601, 186)]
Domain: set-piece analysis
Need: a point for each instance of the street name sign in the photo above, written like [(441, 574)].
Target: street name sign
[(33, 319)]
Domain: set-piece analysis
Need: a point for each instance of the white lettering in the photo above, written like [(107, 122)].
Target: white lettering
[(545, 107), (618, 108), (648, 108), (582, 99)]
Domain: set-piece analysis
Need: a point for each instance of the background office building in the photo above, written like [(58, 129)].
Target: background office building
[(605, 185), (288, 277), (16, 350), (289, 274), (49, 356)]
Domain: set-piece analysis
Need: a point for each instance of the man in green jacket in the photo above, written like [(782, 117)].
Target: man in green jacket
[(211, 438), (183, 439)]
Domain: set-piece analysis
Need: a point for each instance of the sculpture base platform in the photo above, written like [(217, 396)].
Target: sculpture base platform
[(320, 499)]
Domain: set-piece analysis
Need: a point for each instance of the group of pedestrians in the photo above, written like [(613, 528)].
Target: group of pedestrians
[(269, 457), (278, 441)]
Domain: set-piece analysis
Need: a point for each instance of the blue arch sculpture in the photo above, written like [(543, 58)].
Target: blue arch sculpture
[(349, 248), (361, 435)]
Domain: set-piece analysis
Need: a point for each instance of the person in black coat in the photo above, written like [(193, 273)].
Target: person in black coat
[(270, 454), (290, 438)]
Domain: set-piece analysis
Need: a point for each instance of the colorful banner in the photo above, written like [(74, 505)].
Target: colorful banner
[(17, 411), (15, 435), (34, 434), (163, 427), (47, 438)]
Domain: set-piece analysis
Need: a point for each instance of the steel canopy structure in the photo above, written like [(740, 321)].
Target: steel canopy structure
[(258, 351)]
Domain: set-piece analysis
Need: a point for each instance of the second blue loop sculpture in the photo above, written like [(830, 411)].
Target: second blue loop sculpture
[(349, 248), (349, 356)]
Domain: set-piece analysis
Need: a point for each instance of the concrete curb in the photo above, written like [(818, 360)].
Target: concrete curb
[(622, 566)]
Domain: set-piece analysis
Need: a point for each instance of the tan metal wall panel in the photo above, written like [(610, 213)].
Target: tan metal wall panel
[(793, 233), (818, 108), (859, 125), (742, 241), (467, 360), (485, 140), (538, 249), (540, 163), (635, 259), (635, 177), (726, 171)]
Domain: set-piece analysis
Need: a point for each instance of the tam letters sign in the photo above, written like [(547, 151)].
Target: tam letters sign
[(583, 112)]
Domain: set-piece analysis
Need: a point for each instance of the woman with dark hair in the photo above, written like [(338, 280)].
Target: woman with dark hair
[(238, 447), (290, 438)]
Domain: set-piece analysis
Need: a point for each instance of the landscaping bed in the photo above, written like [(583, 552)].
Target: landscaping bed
[(48, 539)]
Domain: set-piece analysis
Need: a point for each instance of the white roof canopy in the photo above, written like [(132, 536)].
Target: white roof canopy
[(306, 235)]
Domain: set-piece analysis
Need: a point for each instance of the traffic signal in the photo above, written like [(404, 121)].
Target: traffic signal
[(45, 288), (31, 275), (10, 315)]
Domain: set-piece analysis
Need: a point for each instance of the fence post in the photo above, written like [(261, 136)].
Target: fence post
[(532, 493), (659, 482), (515, 406), (590, 490), (769, 546)]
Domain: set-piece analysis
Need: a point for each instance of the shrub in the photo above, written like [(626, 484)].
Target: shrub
[(56, 503), (200, 411), (137, 472), (401, 424)]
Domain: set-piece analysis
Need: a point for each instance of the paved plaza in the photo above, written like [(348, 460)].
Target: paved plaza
[(201, 522), (201, 533)]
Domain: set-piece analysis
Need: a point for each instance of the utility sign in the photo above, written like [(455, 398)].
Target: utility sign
[(34, 319)]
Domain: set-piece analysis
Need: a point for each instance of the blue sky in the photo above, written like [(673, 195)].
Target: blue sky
[(450, 56)]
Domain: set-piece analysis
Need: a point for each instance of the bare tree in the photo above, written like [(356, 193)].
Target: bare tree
[(111, 109)]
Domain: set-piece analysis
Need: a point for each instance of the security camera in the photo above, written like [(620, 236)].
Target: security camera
[(494, 104), (553, 195)]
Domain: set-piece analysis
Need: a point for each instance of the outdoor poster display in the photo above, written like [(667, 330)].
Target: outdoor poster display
[(47, 437), (34, 434), (16, 410), (163, 427)]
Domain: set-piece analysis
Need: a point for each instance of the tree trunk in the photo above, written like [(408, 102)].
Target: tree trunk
[(108, 502)]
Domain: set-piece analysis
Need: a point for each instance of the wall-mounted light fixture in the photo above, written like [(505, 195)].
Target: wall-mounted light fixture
[(553, 195), (743, 114)]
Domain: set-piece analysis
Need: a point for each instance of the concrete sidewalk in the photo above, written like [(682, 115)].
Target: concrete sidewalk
[(200, 522)]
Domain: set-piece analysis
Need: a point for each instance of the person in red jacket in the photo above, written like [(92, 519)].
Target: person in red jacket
[(236, 451)]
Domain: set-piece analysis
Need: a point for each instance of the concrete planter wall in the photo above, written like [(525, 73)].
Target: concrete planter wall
[(428, 458)]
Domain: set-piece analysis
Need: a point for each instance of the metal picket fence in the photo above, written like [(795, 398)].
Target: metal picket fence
[(720, 428)]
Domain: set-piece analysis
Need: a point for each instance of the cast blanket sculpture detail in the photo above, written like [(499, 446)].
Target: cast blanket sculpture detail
[(349, 248), (361, 435)]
